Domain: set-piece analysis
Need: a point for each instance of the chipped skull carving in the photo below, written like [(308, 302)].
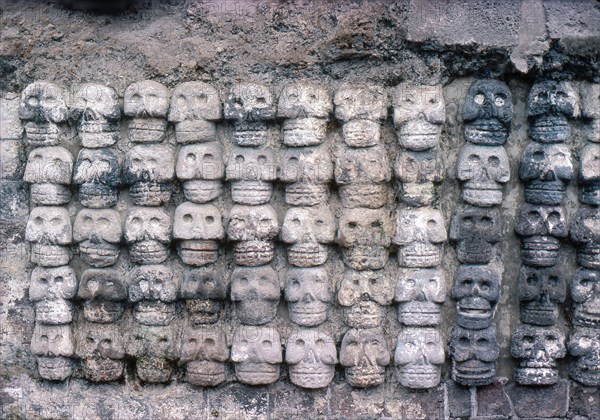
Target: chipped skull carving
[(98, 174), (50, 289), (204, 290), (104, 295), (251, 172), (101, 348), (537, 348), (199, 229), (98, 233), (97, 111), (420, 235), (585, 293), (49, 170), (589, 175), (364, 355), (549, 106), (474, 355), (149, 169), (541, 291), (250, 105), (305, 108), (308, 293), (146, 103), (50, 233), (44, 113), (308, 232), (585, 233), (419, 356), (488, 113), (204, 352), (584, 346), (364, 296), (417, 173), (256, 354), (147, 233), (546, 170), (200, 168), (361, 108), (306, 173), (311, 356), (155, 350), (590, 109), (153, 289), (541, 228), (420, 293), (253, 230), (255, 292), (483, 170), (53, 346), (475, 230), (419, 112), (195, 108), (476, 291)]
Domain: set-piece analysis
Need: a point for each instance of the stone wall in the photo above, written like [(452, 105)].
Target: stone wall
[(349, 49)]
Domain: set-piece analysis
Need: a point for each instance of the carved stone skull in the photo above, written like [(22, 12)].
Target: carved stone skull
[(311, 356), (362, 175), (204, 290), (364, 236), (155, 350), (365, 354), (537, 348), (146, 103), (483, 170), (97, 111), (306, 173), (420, 236), (252, 229), (104, 295), (541, 291), (49, 171), (546, 169), (585, 233), (199, 230), (50, 233), (257, 355), (204, 352), (590, 109), (195, 107), (98, 233), (305, 107), (361, 108), (549, 105), (589, 174), (44, 112), (419, 112), (487, 113), (420, 293), (474, 355), (584, 346), (308, 293), (147, 233), (541, 228), (364, 296), (476, 291), (149, 169), (50, 289), (101, 348), (417, 173), (250, 105), (255, 292), (153, 289), (308, 232), (475, 230), (53, 346), (419, 356), (251, 172), (585, 293), (98, 174), (201, 168)]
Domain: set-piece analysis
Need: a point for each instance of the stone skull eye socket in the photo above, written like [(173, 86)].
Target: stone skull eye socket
[(431, 223), (239, 159), (485, 285), (553, 281), (312, 97), (192, 341), (479, 99), (482, 342), (467, 282), (136, 221), (38, 220), (319, 222), (33, 101), (585, 342), (163, 340), (376, 224), (90, 339), (104, 222), (500, 99), (43, 280), (187, 218), (534, 216), (352, 225), (260, 100), (190, 157), (411, 283), (244, 281), (464, 341), (584, 282), (433, 282), (538, 155), (59, 280), (154, 222), (262, 159), (494, 161), (373, 281), (467, 221), (554, 217), (208, 157), (295, 284), (486, 222), (55, 221), (107, 341), (551, 338), (87, 219), (267, 344), (528, 340), (296, 221), (209, 220), (532, 280), (356, 282), (293, 97), (430, 344), (409, 345), (300, 342), (209, 342), (374, 342), (542, 96), (320, 343)]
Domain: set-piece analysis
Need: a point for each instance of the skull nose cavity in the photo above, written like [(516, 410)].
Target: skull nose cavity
[(550, 176)]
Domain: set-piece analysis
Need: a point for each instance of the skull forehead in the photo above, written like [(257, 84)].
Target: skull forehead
[(488, 154), (299, 221), (204, 98), (478, 272), (43, 89), (99, 221), (148, 213), (307, 275), (96, 95), (423, 274), (360, 101), (251, 95), (251, 156), (304, 99), (104, 154), (265, 273), (420, 94), (420, 336), (148, 88), (308, 339), (525, 332), (420, 218), (102, 277), (544, 274), (539, 96), (253, 213), (254, 336), (547, 154), (47, 155), (585, 274), (364, 217), (472, 336), (59, 216), (211, 150), (160, 153), (193, 220), (205, 282), (363, 336)]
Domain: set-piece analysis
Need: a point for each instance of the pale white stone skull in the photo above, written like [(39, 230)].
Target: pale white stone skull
[(309, 293), (201, 168), (50, 288), (147, 233), (153, 289), (311, 356), (204, 352), (49, 171), (255, 292), (308, 231), (589, 94), (102, 351), (97, 111), (98, 233), (365, 354), (155, 349), (146, 103), (150, 169), (98, 174), (50, 233), (44, 112), (256, 354), (199, 230), (419, 356), (253, 230), (417, 173), (251, 172), (195, 108), (420, 293), (420, 236), (53, 346)]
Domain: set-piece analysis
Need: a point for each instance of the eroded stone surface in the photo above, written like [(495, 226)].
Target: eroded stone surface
[(195, 108), (44, 113), (474, 355), (146, 103), (420, 293), (364, 355), (309, 293), (256, 354), (311, 356), (97, 111), (256, 293), (204, 353), (550, 105), (541, 292), (419, 356)]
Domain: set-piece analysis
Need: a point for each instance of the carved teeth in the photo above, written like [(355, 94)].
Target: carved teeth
[(253, 253), (307, 254), (300, 132), (148, 252), (305, 194), (150, 193), (251, 192), (50, 255)]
